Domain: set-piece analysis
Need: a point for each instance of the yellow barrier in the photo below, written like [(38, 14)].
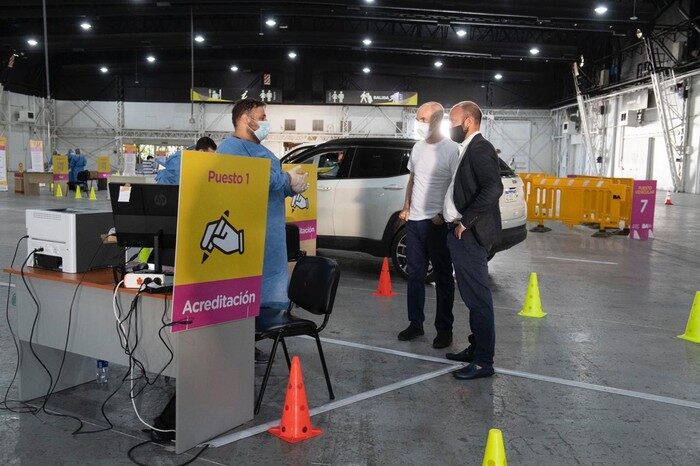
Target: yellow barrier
[(605, 202)]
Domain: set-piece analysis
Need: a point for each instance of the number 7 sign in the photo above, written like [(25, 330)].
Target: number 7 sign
[(643, 203)]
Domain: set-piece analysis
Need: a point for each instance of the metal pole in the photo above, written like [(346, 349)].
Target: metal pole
[(48, 84), (191, 64)]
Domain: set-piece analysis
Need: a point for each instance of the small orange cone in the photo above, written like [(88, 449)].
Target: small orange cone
[(295, 425), (384, 286), (668, 200)]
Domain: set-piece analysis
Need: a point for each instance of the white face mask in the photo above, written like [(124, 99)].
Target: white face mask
[(422, 129)]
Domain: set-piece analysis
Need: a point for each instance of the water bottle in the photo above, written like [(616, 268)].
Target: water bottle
[(102, 371)]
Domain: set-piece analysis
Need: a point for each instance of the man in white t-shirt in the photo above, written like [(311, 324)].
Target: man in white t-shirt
[(433, 161)]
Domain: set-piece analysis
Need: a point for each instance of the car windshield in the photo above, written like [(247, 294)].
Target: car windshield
[(293, 155), (505, 169)]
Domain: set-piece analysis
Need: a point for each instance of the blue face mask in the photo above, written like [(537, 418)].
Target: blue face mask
[(263, 130)]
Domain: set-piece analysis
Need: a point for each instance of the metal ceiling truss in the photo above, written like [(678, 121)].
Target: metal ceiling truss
[(592, 128), (672, 97)]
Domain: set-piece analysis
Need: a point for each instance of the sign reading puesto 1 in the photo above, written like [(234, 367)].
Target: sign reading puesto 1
[(221, 219)]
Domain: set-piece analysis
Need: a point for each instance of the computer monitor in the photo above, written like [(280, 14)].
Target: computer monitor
[(145, 215)]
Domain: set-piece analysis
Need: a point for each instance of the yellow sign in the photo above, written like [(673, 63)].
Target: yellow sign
[(104, 166), (301, 209), (222, 213), (60, 167)]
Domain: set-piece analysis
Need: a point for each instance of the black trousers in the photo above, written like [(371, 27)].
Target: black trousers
[(472, 273), (426, 241)]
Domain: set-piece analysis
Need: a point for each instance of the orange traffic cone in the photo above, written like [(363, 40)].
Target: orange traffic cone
[(384, 286), (668, 200), (295, 424)]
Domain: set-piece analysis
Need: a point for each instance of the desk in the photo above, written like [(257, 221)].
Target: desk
[(213, 366), (33, 179)]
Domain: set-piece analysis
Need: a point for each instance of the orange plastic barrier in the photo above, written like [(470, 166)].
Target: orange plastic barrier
[(578, 200)]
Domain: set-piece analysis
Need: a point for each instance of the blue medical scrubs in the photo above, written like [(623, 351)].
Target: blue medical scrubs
[(76, 164), (275, 274), (171, 173)]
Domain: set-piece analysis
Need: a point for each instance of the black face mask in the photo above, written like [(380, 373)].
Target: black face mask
[(457, 134)]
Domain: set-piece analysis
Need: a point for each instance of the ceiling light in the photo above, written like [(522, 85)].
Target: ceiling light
[(534, 51), (271, 22), (461, 32), (104, 69), (234, 68), (601, 9), (150, 59), (498, 76), (483, 86), (85, 26), (367, 41), (366, 70), (438, 64), (199, 38), (292, 55), (369, 1), (32, 42)]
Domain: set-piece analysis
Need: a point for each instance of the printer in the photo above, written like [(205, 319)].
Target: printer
[(71, 239)]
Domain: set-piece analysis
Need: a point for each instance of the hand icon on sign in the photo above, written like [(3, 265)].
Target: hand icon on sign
[(221, 235), (299, 202)]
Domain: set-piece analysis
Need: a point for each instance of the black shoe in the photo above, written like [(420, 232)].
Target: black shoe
[(411, 332), (260, 357), (466, 355), (472, 371), (442, 340)]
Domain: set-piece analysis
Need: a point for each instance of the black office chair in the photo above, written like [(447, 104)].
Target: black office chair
[(312, 287)]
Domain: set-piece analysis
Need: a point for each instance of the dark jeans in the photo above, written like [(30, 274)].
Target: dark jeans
[(472, 271), (426, 241)]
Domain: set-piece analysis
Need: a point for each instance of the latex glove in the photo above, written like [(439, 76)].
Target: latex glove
[(297, 180)]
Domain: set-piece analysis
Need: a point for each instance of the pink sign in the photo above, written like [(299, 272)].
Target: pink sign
[(643, 203), (307, 229), (211, 303), (60, 176)]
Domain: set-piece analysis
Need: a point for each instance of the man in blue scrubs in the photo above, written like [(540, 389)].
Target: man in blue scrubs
[(250, 128), (171, 172)]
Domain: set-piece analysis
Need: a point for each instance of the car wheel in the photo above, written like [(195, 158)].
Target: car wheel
[(398, 256)]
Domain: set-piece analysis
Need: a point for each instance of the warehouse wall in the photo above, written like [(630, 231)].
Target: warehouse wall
[(635, 152)]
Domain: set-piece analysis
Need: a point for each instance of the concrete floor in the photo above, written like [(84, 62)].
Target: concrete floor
[(612, 324)]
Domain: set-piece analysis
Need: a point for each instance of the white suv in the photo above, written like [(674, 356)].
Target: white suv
[(361, 190)]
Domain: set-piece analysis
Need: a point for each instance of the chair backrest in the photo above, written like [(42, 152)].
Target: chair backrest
[(83, 176), (314, 284)]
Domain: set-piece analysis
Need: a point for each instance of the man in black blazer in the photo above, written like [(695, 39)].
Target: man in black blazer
[(472, 211)]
